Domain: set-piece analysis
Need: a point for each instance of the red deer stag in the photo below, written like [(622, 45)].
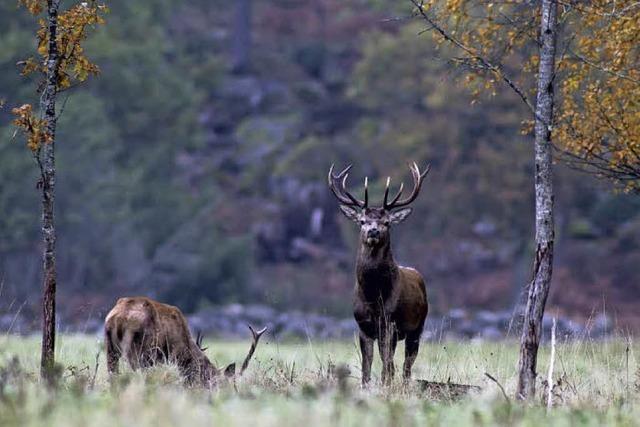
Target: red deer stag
[(390, 301), (147, 332)]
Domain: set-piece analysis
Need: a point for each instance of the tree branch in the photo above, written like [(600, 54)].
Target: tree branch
[(601, 68), (497, 69)]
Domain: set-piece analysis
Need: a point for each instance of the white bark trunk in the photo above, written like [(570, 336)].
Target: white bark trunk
[(543, 264)]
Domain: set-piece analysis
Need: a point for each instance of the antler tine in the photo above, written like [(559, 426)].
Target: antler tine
[(199, 341), (340, 175), (332, 179), (366, 192), (352, 199), (426, 171), (386, 191), (418, 177), (256, 334), (391, 204), (386, 204), (256, 337), (341, 192)]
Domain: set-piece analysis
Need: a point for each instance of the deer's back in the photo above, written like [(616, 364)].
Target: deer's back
[(156, 324), (134, 314)]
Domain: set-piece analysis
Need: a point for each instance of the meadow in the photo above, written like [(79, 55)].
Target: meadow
[(318, 384)]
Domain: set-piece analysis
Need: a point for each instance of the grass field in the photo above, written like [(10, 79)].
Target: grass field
[(294, 384)]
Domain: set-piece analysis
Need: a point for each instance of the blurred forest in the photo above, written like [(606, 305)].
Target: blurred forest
[(193, 169)]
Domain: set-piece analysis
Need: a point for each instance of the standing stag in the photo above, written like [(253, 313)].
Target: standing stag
[(147, 332), (390, 301)]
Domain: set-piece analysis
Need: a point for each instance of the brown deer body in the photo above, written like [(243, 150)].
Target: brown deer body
[(390, 301), (147, 332)]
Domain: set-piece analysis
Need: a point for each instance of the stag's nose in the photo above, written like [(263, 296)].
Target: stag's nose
[(374, 233)]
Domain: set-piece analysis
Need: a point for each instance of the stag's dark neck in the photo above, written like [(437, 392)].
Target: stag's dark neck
[(376, 271)]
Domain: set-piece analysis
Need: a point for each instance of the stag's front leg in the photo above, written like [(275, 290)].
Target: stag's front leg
[(366, 349), (387, 340)]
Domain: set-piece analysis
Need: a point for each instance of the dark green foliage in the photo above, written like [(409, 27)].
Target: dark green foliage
[(171, 166), (120, 136)]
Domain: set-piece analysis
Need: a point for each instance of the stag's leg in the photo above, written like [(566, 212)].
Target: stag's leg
[(387, 346), (129, 350), (366, 348), (411, 346), (113, 353)]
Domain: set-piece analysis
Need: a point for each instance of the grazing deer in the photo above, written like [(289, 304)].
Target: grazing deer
[(147, 332), (390, 301)]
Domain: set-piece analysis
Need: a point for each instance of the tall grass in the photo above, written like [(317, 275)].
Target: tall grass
[(317, 384)]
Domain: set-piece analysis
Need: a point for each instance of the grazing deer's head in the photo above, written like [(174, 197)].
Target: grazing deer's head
[(375, 221)]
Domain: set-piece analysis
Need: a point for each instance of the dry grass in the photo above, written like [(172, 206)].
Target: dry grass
[(317, 384)]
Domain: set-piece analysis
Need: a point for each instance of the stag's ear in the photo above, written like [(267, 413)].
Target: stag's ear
[(230, 370), (349, 212), (399, 216)]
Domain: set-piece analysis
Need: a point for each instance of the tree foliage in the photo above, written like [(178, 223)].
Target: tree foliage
[(596, 126), (72, 63), (171, 166)]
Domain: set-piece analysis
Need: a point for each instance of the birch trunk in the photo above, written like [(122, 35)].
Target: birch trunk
[(543, 264), (48, 171)]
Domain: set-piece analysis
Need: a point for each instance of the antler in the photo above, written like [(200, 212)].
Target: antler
[(256, 337), (417, 183), (338, 185), (199, 341)]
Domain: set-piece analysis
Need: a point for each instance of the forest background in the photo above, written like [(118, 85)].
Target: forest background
[(193, 170)]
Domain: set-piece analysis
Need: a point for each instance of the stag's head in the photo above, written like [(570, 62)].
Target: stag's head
[(375, 222)]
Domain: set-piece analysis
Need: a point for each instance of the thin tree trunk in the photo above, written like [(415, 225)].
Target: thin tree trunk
[(48, 170), (242, 36), (543, 264)]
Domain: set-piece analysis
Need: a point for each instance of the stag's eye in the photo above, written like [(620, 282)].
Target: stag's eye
[(362, 221), (386, 222)]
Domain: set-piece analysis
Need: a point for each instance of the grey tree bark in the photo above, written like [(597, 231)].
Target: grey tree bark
[(543, 263), (538, 290), (46, 162), (242, 36)]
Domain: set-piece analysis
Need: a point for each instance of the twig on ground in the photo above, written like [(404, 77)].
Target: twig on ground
[(95, 370), (627, 363)]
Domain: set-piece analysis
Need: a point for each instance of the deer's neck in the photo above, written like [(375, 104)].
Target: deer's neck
[(376, 270)]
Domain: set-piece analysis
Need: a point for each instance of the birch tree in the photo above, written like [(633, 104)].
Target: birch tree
[(62, 63), (543, 263), (488, 37), (596, 125)]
